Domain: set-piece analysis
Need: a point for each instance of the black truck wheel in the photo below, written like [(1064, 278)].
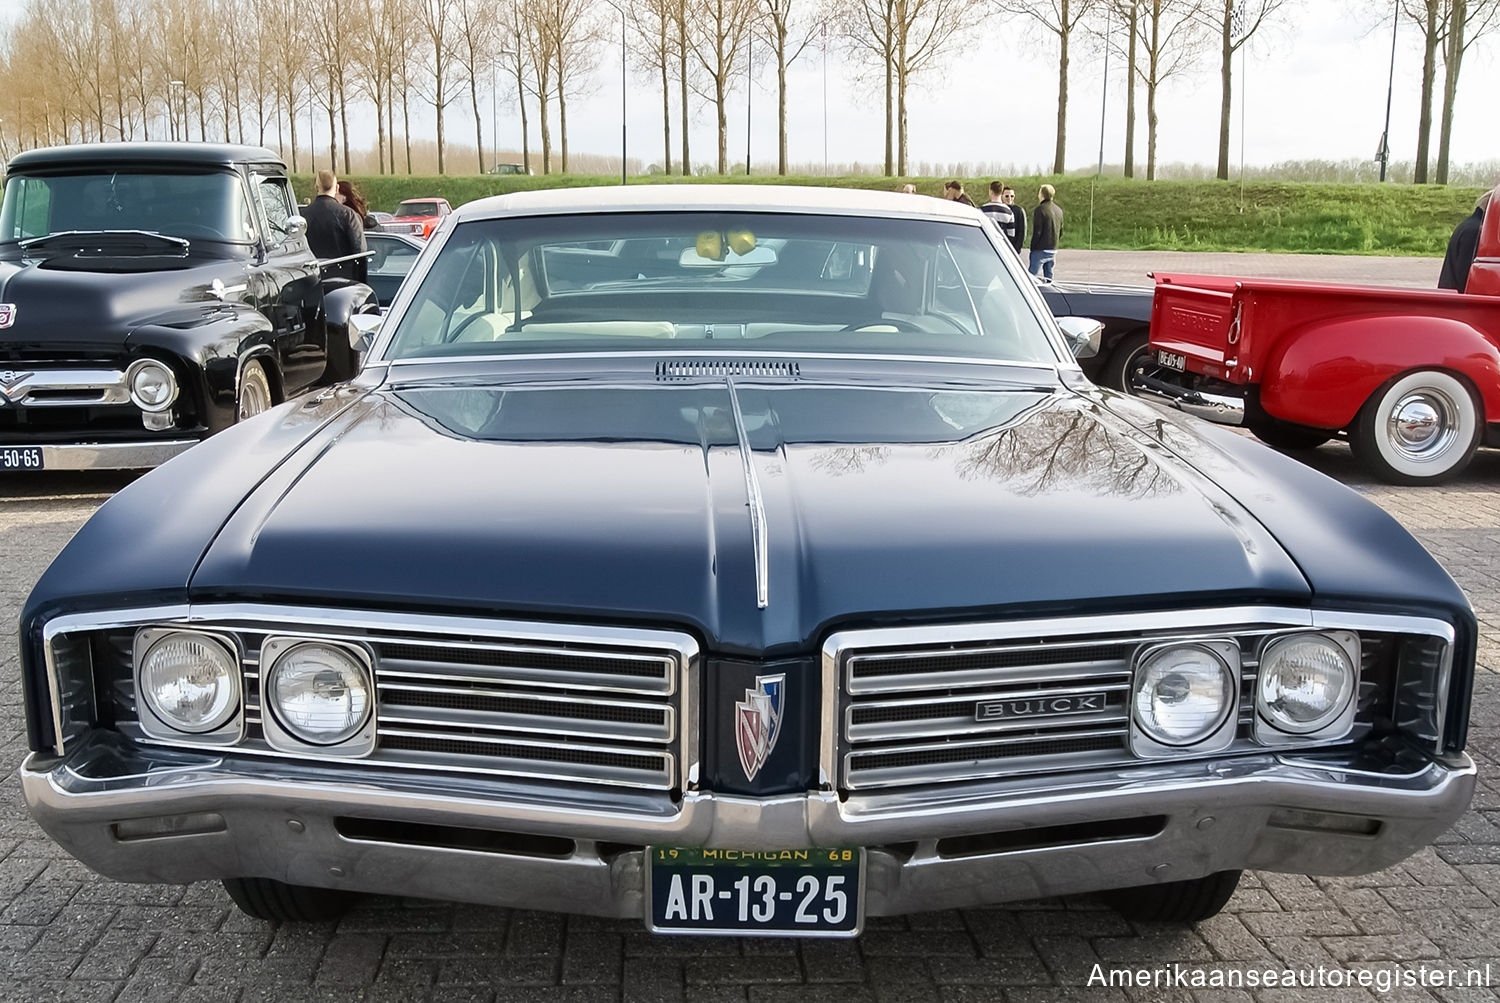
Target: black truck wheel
[(1285, 434), (278, 902), (1131, 354), (1175, 901)]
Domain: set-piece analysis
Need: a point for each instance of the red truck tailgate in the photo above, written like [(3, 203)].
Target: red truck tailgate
[(1193, 316)]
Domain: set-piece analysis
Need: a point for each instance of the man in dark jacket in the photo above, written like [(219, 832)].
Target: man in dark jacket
[(1462, 247), (1046, 231), (1008, 196), (334, 231)]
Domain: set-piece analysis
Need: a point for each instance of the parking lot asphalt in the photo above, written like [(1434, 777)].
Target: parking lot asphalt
[(68, 934)]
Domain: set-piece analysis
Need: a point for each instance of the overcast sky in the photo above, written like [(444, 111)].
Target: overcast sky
[(1315, 89)]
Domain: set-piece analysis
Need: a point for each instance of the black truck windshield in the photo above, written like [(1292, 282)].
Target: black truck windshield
[(208, 205)]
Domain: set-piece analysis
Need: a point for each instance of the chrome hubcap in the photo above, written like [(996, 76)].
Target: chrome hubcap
[(252, 400), (1422, 424)]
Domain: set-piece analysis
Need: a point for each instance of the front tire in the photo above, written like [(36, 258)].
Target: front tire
[(1175, 901), (1130, 355), (278, 902), (255, 392), (1422, 428)]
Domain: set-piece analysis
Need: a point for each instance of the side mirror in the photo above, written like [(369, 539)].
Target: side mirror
[(294, 226), (362, 330), (1082, 334)]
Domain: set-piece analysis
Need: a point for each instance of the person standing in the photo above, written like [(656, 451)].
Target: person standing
[(1462, 247), (1046, 231), (1018, 239), (334, 231), (953, 191), (349, 195), (1001, 213)]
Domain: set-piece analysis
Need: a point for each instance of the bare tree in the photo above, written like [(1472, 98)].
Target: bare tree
[(1171, 37), (1060, 17), (569, 40), (1468, 21), (724, 28), (1428, 14), (539, 82), (868, 33), (1236, 24), (516, 31), (781, 25), (436, 18), (654, 44), (477, 32), (926, 32)]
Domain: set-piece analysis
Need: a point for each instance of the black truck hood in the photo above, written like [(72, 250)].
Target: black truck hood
[(896, 503), (64, 309)]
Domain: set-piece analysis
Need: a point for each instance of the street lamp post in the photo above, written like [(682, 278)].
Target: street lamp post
[(1384, 153), (623, 134), (749, 93)]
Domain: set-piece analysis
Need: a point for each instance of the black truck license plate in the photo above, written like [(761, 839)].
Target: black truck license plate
[(20, 457), (790, 893)]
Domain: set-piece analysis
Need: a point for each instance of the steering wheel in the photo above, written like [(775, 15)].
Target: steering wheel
[(195, 230), (464, 326), (901, 326)]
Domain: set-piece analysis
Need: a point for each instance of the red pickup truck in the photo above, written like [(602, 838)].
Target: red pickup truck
[(1410, 376)]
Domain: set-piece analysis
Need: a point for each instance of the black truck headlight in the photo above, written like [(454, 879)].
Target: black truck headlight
[(1306, 685), (319, 692), (152, 385), (189, 681)]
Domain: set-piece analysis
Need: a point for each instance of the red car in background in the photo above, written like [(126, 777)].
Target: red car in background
[(1410, 377), (418, 217)]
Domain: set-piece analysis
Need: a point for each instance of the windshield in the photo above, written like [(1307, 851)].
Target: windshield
[(769, 281), (417, 209), (194, 206)]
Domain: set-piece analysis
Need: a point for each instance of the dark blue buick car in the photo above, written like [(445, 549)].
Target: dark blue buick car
[(747, 560)]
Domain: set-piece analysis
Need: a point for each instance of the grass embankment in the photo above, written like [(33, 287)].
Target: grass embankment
[(1130, 215)]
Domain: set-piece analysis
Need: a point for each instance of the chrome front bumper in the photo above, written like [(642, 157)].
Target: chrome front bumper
[(1222, 409), (105, 455), (136, 816)]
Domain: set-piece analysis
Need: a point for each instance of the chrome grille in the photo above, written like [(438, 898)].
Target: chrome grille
[(915, 716), (607, 706)]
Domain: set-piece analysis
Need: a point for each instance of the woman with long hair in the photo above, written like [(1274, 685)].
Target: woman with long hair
[(349, 195)]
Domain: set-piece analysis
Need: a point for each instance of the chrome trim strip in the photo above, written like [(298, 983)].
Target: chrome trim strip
[(394, 365), (105, 455), (755, 501)]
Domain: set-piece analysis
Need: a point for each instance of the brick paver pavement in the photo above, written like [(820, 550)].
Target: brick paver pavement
[(68, 934)]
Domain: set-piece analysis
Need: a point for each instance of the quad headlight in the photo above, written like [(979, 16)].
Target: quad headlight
[(1306, 683), (189, 681), (319, 692), (152, 385), (1183, 694)]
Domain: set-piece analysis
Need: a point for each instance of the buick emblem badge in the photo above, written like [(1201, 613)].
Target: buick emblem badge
[(1070, 703), (757, 722), (7, 314)]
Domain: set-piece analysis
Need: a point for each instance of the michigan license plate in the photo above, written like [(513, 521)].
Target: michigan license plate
[(790, 893), (20, 458), (1171, 360)]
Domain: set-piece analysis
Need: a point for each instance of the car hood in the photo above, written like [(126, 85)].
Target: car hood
[(914, 504), (63, 308)]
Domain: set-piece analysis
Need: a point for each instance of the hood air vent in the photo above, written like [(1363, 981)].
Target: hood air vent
[(719, 368)]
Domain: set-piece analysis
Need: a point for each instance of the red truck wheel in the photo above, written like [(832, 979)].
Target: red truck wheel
[(1421, 429)]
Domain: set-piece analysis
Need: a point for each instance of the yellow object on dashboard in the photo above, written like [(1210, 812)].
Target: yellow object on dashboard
[(741, 241), (710, 245)]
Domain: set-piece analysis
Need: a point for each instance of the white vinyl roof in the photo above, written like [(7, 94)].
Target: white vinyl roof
[(708, 198)]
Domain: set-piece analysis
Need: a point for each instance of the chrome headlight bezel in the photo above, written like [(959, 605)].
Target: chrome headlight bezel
[(157, 724), (168, 378), (1337, 723), (1146, 743), (280, 735)]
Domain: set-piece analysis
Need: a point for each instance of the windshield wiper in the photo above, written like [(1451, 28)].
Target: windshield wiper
[(81, 239)]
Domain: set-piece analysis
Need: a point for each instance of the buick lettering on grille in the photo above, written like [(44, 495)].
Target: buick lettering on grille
[(1072, 703)]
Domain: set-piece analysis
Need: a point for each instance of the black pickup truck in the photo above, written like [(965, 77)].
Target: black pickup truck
[(152, 294)]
